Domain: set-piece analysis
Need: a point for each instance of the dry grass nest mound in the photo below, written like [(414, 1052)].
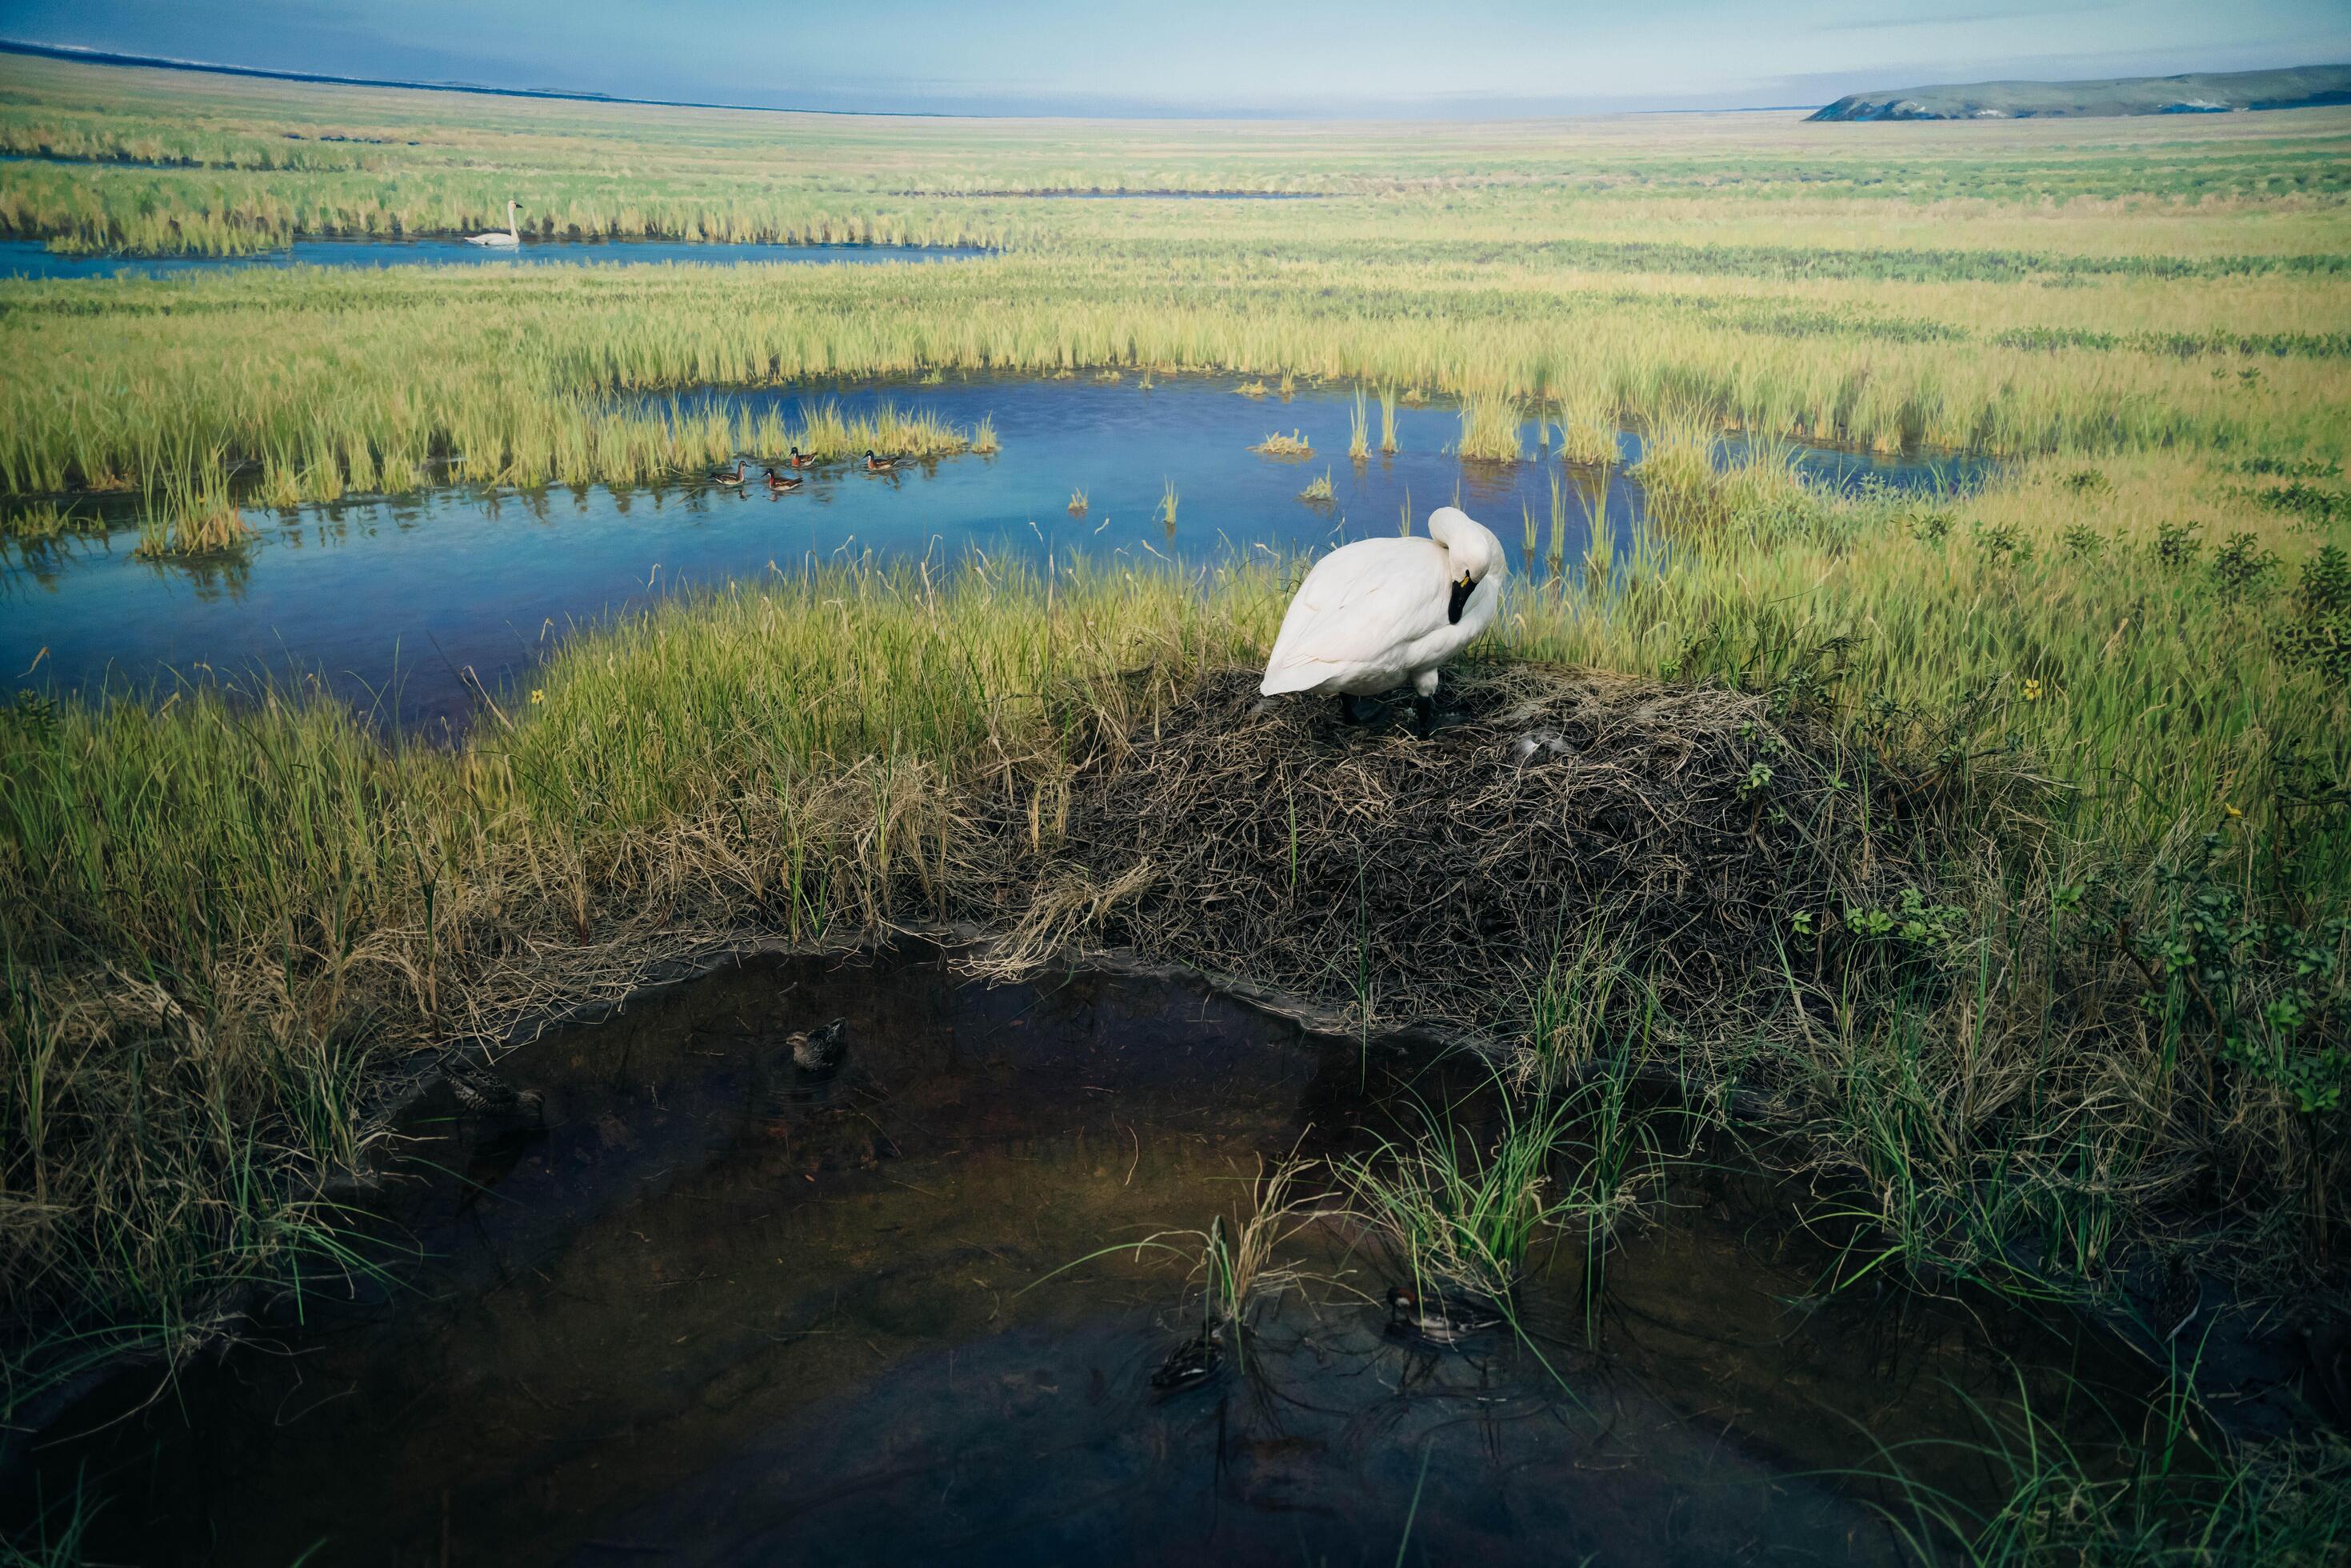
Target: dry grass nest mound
[(1440, 884)]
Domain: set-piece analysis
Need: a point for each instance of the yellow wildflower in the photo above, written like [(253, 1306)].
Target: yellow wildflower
[(2033, 691), (538, 695)]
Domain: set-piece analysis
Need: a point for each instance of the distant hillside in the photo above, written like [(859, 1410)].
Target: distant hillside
[(2203, 92)]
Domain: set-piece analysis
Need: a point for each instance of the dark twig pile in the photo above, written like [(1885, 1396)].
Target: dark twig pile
[(1438, 883)]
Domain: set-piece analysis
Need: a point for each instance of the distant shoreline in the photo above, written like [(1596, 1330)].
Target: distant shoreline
[(75, 53), (2191, 92), (157, 62)]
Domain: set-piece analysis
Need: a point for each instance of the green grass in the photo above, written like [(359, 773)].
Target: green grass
[(2160, 1487)]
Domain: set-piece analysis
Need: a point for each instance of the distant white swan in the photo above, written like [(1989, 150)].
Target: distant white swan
[(1380, 612), (510, 234)]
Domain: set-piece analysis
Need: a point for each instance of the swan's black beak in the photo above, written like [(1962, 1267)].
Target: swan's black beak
[(1461, 592)]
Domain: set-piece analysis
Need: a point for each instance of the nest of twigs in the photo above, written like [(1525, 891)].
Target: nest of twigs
[(1707, 846)]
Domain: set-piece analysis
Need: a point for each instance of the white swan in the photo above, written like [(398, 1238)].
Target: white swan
[(1379, 613), (510, 234)]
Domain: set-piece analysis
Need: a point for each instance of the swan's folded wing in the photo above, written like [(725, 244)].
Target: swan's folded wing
[(1360, 606)]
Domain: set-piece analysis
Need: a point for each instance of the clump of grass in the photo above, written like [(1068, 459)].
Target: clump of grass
[(984, 439), (1318, 491), (44, 520), (1291, 447), (1359, 437), (1678, 466), (1238, 1261), (822, 431), (1166, 511), (1491, 430), (1250, 389), (192, 521), (1388, 422), (1078, 502), (1461, 1212), (1587, 429)]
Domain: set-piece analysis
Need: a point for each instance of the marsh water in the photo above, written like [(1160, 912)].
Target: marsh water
[(387, 599), (30, 258), (722, 1308)]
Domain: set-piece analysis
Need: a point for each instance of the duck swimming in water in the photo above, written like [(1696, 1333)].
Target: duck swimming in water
[(1192, 1362), (799, 459), (878, 465), (722, 475), (480, 1092), (819, 1049), (777, 484), (1437, 1318)]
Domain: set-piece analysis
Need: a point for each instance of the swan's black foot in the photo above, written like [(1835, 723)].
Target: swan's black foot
[(1351, 709), (1424, 713)]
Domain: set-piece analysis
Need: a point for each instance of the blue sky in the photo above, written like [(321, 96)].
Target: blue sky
[(1281, 57)]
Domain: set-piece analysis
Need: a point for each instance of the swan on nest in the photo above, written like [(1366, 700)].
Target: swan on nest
[(1379, 613)]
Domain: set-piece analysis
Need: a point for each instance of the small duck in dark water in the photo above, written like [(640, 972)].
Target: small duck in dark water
[(819, 1049), (1437, 1318), (1192, 1362), (481, 1093)]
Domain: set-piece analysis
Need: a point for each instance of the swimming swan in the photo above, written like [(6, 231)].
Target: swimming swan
[(510, 235), (1379, 613)]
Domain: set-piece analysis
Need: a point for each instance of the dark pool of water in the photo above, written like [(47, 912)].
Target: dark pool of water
[(393, 597), (723, 1310), (29, 258)]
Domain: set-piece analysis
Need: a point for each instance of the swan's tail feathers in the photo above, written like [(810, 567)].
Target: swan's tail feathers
[(1302, 675)]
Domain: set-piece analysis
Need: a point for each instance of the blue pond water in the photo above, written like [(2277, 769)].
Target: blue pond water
[(386, 599), (27, 258)]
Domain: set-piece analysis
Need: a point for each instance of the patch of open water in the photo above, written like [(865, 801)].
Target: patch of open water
[(725, 1309), (387, 597), (28, 258)]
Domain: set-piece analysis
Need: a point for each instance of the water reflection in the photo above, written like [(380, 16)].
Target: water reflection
[(401, 593)]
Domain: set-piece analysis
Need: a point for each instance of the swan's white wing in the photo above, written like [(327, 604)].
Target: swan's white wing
[(1361, 607)]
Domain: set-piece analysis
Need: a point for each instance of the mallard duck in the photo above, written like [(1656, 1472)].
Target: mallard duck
[(819, 1049), (1192, 1362), (482, 1093), (1437, 1318), (878, 465), (721, 476), (778, 482), (799, 459)]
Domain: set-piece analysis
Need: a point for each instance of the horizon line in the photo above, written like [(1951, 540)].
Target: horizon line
[(80, 53)]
